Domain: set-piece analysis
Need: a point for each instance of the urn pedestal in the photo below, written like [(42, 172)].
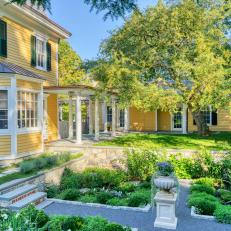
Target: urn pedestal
[(165, 205)]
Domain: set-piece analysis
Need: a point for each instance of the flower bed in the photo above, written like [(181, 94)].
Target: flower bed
[(35, 220), (102, 186), (209, 198)]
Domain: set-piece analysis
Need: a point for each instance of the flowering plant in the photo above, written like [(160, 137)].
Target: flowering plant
[(165, 169)]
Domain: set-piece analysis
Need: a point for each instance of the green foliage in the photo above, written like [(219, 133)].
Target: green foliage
[(225, 195), (226, 170), (202, 188), (70, 71), (103, 197), (69, 194), (118, 201), (205, 204), (88, 198), (205, 181), (95, 224), (141, 164), (44, 161), (52, 191), (126, 187), (73, 223), (113, 227), (138, 198), (223, 214)]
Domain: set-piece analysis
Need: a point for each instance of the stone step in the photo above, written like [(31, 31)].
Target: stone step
[(35, 199), (44, 204), (16, 194)]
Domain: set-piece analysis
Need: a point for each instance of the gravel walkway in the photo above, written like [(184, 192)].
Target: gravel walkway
[(141, 220)]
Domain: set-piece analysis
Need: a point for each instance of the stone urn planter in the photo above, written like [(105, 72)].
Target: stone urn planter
[(165, 183)]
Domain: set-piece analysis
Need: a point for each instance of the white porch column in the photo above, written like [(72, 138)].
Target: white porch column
[(78, 120), (126, 119), (113, 133), (90, 117), (70, 117), (12, 120), (184, 119), (96, 119), (104, 116), (117, 117)]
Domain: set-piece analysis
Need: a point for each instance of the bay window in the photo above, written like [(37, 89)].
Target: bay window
[(3, 109), (27, 109)]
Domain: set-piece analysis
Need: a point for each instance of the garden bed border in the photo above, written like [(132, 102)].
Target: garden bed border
[(145, 209), (198, 216)]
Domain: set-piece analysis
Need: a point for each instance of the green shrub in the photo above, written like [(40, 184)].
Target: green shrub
[(95, 224), (138, 198), (55, 224), (223, 214), (103, 197), (141, 164), (117, 202), (52, 191), (126, 187), (69, 194), (115, 227), (205, 181), (98, 177), (88, 198), (27, 167), (182, 165), (72, 223), (145, 185), (202, 188), (226, 170), (225, 195), (203, 202)]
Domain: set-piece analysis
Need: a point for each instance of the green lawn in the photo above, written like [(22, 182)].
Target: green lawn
[(216, 141)]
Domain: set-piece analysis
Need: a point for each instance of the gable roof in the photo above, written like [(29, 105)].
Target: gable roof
[(6, 67)]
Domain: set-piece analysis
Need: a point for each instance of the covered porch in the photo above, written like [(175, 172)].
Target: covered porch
[(100, 119)]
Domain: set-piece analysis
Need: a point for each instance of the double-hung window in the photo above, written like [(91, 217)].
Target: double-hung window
[(207, 113), (3, 38), (41, 54), (27, 105), (3, 109)]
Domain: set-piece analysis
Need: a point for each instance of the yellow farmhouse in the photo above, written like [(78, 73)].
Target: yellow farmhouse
[(29, 108)]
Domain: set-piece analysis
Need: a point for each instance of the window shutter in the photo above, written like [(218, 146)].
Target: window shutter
[(33, 51), (3, 38), (48, 56), (214, 117)]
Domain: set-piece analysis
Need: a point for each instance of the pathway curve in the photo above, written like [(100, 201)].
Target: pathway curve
[(141, 220)]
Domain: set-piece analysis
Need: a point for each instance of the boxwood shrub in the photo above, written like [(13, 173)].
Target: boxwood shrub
[(223, 214), (202, 188)]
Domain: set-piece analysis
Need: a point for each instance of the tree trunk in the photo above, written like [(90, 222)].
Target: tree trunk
[(202, 127)]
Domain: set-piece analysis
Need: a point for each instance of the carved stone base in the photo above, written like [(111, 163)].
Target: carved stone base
[(165, 205)]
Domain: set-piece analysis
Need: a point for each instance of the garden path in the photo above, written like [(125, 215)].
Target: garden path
[(142, 220)]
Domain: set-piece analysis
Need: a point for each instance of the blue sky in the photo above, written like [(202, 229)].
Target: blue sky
[(88, 28)]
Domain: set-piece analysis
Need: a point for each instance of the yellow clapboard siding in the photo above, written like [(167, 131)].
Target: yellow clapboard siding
[(223, 122), (141, 121), (6, 82), (52, 120), (19, 50), (29, 142), (164, 121), (5, 145), (28, 85)]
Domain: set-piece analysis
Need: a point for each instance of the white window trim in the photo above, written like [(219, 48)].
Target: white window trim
[(31, 129), (8, 130), (43, 39)]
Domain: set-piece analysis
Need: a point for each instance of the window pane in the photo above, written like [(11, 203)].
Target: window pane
[(3, 109)]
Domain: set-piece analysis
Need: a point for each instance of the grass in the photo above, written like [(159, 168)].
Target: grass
[(20, 175), (216, 141)]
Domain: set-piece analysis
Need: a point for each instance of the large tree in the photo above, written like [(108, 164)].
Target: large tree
[(112, 8), (177, 53), (70, 66)]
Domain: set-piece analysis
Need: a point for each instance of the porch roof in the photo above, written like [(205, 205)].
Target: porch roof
[(83, 90)]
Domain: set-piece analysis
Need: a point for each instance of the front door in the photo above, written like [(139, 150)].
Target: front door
[(177, 121)]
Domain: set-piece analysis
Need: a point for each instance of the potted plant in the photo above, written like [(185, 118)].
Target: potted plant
[(165, 179)]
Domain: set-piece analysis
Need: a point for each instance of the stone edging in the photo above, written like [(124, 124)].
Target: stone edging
[(145, 209), (198, 216)]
